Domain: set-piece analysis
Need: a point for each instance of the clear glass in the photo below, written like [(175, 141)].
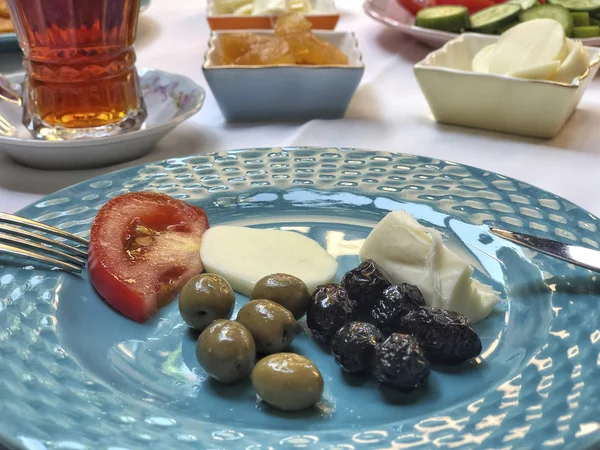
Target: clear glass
[(81, 79)]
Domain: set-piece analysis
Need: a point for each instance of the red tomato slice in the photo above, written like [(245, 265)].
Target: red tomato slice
[(414, 6), (472, 5), (143, 248)]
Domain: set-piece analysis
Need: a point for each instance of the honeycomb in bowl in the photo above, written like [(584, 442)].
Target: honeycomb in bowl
[(308, 49), (293, 43), (247, 49)]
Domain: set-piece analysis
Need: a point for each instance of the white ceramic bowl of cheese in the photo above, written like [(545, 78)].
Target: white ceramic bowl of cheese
[(459, 96)]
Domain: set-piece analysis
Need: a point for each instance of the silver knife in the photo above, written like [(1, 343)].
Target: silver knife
[(575, 254)]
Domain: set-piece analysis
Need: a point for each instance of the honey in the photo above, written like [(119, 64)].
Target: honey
[(293, 43)]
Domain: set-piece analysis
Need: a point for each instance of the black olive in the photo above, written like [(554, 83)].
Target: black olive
[(353, 346), (401, 362), (329, 309), (446, 336), (393, 305), (364, 285)]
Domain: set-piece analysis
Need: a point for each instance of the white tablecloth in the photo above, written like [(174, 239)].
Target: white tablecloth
[(388, 112)]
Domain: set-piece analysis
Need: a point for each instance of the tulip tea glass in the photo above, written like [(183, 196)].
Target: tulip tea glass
[(79, 60)]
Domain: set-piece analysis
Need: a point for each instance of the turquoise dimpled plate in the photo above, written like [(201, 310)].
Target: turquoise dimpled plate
[(77, 375)]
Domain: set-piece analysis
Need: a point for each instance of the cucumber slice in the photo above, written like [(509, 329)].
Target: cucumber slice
[(581, 19), (586, 32), (491, 19), (451, 18), (524, 4), (594, 21), (577, 5), (558, 13)]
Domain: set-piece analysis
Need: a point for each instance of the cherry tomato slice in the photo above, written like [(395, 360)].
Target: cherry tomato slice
[(143, 248), (414, 6), (472, 5)]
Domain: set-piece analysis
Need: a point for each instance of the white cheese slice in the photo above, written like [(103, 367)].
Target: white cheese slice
[(228, 6), (481, 62), (541, 72), (408, 252), (574, 65), (244, 10), (278, 7), (244, 255), (300, 6), (269, 7), (528, 45)]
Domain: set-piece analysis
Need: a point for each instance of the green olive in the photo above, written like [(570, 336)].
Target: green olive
[(288, 381), (204, 299), (287, 290), (272, 326), (226, 351)]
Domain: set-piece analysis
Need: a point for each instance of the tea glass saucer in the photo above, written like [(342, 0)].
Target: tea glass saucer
[(170, 99)]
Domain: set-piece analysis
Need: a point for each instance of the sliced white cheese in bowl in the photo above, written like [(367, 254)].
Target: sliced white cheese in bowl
[(481, 62), (228, 6), (268, 7), (244, 255), (528, 45), (541, 72), (300, 6), (574, 65), (244, 10)]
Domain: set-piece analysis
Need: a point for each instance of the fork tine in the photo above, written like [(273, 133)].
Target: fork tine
[(35, 246), (16, 220), (40, 238), (45, 259), (5, 127)]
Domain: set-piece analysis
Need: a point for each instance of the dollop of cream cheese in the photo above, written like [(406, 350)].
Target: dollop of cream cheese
[(244, 255), (408, 252)]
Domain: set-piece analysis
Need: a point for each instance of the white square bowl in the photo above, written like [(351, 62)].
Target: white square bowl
[(458, 96), (285, 92)]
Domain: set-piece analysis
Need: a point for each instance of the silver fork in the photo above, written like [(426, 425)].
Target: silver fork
[(17, 240), (6, 129)]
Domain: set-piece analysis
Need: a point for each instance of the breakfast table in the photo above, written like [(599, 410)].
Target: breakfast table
[(104, 372), (388, 112)]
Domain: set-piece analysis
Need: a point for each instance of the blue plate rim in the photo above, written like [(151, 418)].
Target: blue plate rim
[(306, 147)]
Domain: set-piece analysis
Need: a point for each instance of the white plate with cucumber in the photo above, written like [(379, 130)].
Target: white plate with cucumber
[(437, 25)]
